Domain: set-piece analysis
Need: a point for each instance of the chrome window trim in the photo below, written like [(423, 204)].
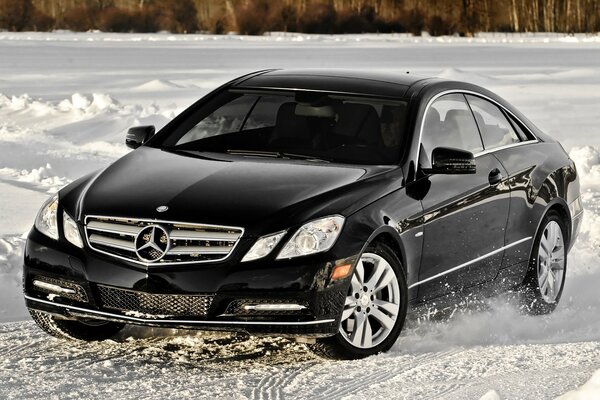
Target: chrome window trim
[(485, 151), (466, 264), (158, 221), (171, 321), (506, 146)]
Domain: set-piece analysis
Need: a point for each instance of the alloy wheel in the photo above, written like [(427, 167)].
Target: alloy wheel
[(372, 304), (551, 262)]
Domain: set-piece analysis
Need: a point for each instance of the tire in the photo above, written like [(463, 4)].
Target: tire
[(541, 295), (381, 310), (89, 331)]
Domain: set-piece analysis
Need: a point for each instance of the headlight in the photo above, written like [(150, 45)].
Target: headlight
[(313, 237), (45, 222), (263, 246), (71, 231)]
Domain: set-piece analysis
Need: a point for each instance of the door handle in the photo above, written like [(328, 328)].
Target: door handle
[(495, 177)]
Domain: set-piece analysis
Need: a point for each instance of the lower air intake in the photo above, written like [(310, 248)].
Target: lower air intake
[(155, 304)]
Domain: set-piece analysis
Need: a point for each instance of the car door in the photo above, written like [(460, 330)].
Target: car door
[(464, 215), (501, 133)]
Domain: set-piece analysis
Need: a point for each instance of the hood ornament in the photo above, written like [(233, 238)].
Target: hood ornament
[(162, 208)]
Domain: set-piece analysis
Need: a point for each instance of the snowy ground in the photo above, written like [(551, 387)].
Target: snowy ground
[(65, 102)]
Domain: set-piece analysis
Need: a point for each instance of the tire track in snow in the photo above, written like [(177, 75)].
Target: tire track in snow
[(272, 387), (365, 380), (447, 389)]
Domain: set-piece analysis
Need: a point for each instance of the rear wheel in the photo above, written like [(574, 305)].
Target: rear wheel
[(543, 285), (374, 310), (89, 330)]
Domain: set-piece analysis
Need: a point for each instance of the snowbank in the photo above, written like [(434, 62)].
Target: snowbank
[(41, 177), (12, 307), (79, 106), (587, 160)]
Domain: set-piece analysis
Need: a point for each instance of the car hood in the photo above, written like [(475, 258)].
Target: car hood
[(228, 190)]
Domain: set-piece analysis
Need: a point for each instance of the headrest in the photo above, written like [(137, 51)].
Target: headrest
[(458, 115), (433, 116), (288, 124), (353, 117), (307, 110)]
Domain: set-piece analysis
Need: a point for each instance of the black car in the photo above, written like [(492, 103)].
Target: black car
[(317, 205)]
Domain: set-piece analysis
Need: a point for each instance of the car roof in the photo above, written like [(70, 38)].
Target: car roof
[(395, 85)]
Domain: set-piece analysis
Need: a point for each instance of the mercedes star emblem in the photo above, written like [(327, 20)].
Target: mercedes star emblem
[(152, 243)]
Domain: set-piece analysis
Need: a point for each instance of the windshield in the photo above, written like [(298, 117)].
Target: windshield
[(305, 125)]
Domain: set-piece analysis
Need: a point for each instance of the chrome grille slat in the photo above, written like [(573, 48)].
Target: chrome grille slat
[(185, 242), (179, 234), (112, 242), (199, 250), (114, 228)]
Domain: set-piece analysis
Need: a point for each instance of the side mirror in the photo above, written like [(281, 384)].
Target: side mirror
[(139, 135), (446, 160)]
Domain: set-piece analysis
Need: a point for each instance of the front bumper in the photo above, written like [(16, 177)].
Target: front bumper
[(316, 328), (298, 281)]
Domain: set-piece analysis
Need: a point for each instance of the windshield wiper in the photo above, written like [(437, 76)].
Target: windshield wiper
[(304, 157), (275, 154), (255, 153), (191, 153)]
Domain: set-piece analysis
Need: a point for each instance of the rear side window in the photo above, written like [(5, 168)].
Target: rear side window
[(522, 132), (495, 129), (449, 123)]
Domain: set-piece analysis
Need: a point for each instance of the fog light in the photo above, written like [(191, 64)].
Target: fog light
[(341, 271), (52, 288), (59, 288), (274, 307)]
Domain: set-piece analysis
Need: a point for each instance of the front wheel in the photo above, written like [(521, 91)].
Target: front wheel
[(543, 285), (374, 309)]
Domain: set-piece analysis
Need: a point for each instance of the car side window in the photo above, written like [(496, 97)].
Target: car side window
[(450, 123), (495, 129), (523, 134)]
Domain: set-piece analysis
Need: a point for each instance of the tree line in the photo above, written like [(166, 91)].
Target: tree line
[(254, 17)]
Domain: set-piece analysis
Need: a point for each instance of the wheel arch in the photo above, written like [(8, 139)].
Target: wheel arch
[(560, 206), (388, 236)]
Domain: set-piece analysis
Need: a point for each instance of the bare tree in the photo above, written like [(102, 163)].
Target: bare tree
[(15, 14)]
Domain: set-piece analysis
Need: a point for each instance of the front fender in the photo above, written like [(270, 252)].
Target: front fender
[(397, 220)]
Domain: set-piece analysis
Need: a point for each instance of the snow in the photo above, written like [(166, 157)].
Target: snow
[(591, 390), (66, 100)]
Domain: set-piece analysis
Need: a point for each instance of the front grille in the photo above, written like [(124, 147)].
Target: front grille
[(165, 242), (155, 304), (79, 294)]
